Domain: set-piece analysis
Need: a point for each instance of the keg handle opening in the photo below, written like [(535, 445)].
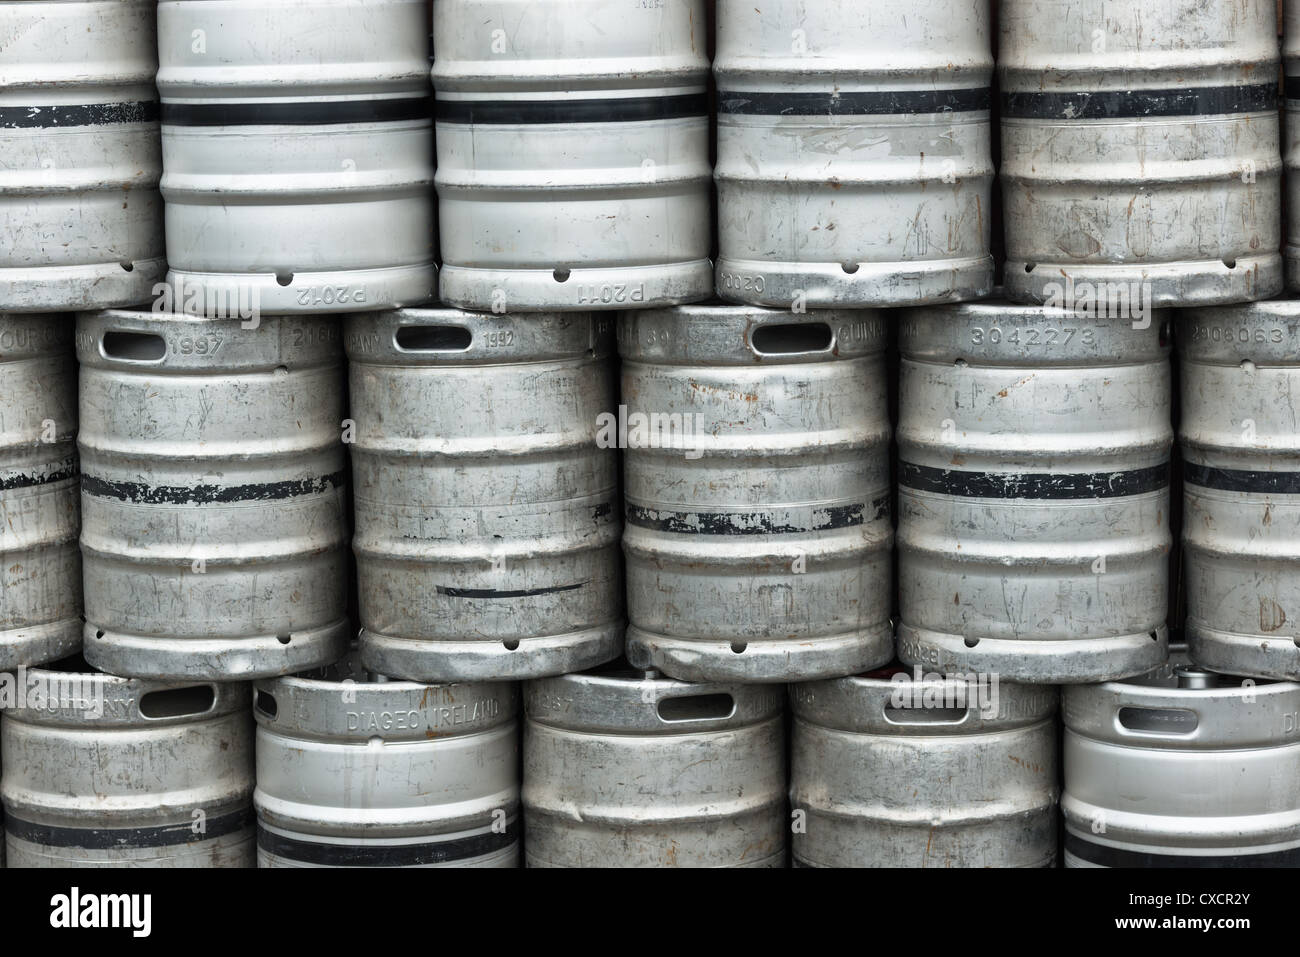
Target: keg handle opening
[(924, 716), (265, 703), (178, 702), (699, 707), (440, 338), (132, 346), (1159, 722), (791, 338)]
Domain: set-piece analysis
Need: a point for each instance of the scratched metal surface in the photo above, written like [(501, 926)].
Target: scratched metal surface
[(760, 548), (214, 522), (854, 152), (910, 774), (79, 206), (40, 564), (298, 160), (573, 153), (487, 514), (1241, 453), (628, 769), (1141, 142), (1034, 534), (162, 776), (355, 770)]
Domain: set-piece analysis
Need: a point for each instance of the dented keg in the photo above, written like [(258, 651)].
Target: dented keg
[(898, 769), (758, 529), (214, 523), (1141, 144), (40, 566), (79, 204), (1241, 481), (1182, 768), (854, 152), (114, 772), (623, 768), (297, 138), (486, 505), (1033, 532), (354, 770), (573, 153)]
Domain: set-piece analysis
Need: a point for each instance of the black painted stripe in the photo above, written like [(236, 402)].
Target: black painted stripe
[(298, 113), (1032, 485), (492, 593), (824, 519), (1105, 856), (1241, 480), (854, 103), (387, 855), (141, 494), (100, 838), (78, 114), (62, 472), (606, 110), (1292, 87), (1114, 104)]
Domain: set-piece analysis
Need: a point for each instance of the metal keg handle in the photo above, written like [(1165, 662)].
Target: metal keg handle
[(926, 716), (695, 708), (779, 339), (132, 346), (185, 702), (1142, 721), (433, 337)]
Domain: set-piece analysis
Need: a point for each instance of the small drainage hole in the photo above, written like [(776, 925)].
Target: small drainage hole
[(284, 278), (1230, 263), (970, 642), (849, 268), (739, 647), (512, 644), (283, 639), (1030, 267), (128, 267), (561, 275)]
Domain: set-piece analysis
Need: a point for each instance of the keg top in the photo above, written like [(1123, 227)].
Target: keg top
[(1266, 333), (618, 699), (27, 336), (436, 336), (892, 701), (1180, 706), (139, 340), (996, 332), (69, 693), (717, 334), (345, 701)]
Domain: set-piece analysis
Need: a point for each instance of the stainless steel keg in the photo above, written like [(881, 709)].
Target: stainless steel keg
[(102, 771), (628, 769), (1241, 479), (854, 163), (79, 206), (354, 770), (573, 153), (1182, 768), (214, 521), (1034, 502), (1141, 145), (758, 529), (40, 566), (905, 769), (297, 145), (486, 507)]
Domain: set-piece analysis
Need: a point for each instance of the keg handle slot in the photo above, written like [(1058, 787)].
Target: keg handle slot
[(920, 716), (699, 707), (133, 346), (265, 702), (178, 702), (791, 338), (1168, 722), (440, 338)]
